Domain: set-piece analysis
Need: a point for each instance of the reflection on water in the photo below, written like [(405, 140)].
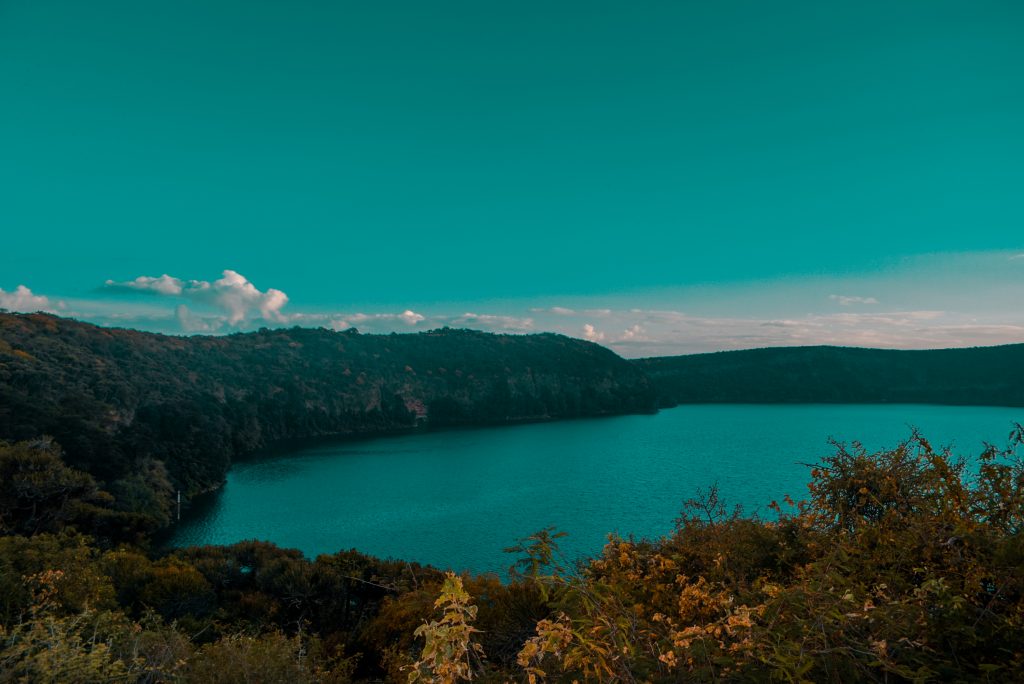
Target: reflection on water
[(457, 498)]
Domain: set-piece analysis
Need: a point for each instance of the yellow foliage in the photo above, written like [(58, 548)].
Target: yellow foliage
[(449, 653)]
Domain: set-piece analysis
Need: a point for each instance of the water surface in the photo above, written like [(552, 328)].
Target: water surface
[(457, 498)]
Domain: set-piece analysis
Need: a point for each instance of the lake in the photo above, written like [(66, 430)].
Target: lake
[(456, 498)]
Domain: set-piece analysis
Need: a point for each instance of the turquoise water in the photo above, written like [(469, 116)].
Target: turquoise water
[(457, 498)]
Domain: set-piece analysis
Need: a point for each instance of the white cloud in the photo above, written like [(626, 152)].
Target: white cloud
[(23, 299), (492, 322), (590, 333), (848, 300), (165, 285), (240, 299), (235, 299), (556, 310), (894, 318), (410, 317), (634, 332), (189, 322), (391, 322), (374, 322)]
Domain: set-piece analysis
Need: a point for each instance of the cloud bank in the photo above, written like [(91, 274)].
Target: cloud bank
[(926, 305), (233, 302)]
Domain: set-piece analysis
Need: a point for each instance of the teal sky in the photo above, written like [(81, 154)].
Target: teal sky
[(740, 161)]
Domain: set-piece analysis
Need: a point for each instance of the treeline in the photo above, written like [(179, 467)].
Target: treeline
[(902, 565), (983, 376), (143, 412), (147, 415)]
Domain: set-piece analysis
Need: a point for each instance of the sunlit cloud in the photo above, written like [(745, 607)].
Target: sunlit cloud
[(374, 322), (408, 319), (24, 300), (556, 310), (591, 333), (165, 285), (491, 322), (235, 298), (191, 323), (634, 332), (241, 300), (847, 300)]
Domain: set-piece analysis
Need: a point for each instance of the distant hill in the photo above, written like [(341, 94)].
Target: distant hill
[(118, 400), (126, 404), (977, 376)]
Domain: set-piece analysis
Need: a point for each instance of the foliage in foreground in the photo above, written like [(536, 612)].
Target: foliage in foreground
[(906, 564)]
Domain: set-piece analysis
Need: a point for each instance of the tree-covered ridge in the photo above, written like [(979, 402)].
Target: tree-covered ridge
[(127, 405), (983, 376), (900, 565)]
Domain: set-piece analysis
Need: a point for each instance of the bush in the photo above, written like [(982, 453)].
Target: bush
[(904, 564)]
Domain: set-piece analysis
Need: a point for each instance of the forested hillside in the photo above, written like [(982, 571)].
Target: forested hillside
[(127, 405), (901, 565), (980, 376)]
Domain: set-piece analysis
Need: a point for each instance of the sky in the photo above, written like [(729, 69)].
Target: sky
[(658, 177)]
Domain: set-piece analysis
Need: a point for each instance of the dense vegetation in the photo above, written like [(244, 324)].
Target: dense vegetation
[(907, 564), (148, 414), (143, 412), (983, 376), (903, 565)]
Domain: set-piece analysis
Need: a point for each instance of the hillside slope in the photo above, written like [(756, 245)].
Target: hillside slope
[(117, 400), (978, 376)]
